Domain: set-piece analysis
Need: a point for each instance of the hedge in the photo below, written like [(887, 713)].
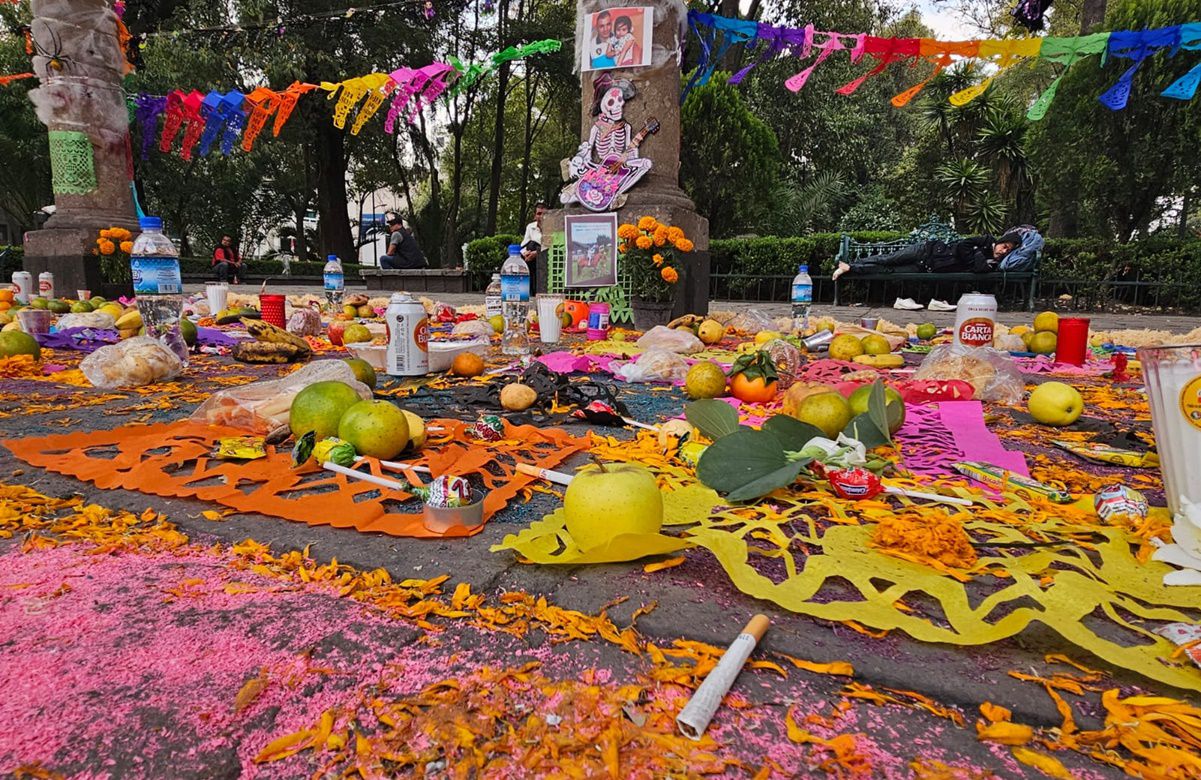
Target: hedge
[(202, 265), (484, 257), (775, 256), (11, 260)]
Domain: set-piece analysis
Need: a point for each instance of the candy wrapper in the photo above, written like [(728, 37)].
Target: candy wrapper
[(444, 492), (335, 450), (1110, 456), (599, 413), (489, 428), (303, 449), (1002, 479), (1120, 505), (240, 448), (854, 484)]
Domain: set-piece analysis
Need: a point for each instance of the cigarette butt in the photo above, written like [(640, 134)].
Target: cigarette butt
[(381, 481), (937, 497), (557, 477), (637, 424), (698, 712)]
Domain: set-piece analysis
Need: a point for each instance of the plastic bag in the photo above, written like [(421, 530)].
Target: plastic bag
[(655, 365), (477, 328), (750, 322), (96, 320), (263, 407), (141, 360), (991, 373), (305, 322), (675, 340), (788, 361)]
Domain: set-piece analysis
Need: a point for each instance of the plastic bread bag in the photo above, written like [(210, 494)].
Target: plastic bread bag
[(750, 322), (141, 360), (96, 320), (305, 322), (655, 365), (676, 340), (991, 373), (263, 407)]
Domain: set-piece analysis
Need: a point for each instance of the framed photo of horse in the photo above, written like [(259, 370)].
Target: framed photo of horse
[(591, 250)]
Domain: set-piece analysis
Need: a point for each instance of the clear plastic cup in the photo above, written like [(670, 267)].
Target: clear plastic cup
[(1173, 379), (35, 321), (217, 294), (549, 325)]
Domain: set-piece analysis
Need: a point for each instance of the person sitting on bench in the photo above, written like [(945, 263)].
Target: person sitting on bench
[(980, 255)]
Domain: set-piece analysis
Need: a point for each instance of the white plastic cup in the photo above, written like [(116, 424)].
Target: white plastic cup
[(217, 293), (1173, 379), (83, 295), (550, 327)]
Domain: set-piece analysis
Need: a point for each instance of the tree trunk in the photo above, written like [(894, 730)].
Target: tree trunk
[(498, 139), (333, 226), (1064, 223), (302, 242), (1092, 16)]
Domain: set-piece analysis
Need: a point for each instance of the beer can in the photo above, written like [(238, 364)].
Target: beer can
[(23, 286), (976, 320), (46, 284), (408, 337)]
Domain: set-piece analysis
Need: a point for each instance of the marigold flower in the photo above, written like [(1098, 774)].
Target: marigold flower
[(658, 258), (106, 233), (120, 234), (106, 247), (126, 246), (684, 245), (648, 224), (627, 231), (643, 242), (623, 247), (674, 234), (670, 275)]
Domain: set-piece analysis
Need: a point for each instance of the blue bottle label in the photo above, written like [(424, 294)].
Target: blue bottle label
[(802, 293), (515, 288), (334, 281), (156, 276)]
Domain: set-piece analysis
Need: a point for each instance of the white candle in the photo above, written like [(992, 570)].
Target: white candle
[(1173, 379)]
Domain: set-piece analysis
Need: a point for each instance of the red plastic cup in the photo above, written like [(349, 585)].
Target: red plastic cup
[(1073, 341), (272, 308)]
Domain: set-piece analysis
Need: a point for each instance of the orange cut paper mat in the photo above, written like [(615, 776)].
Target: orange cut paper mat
[(173, 459)]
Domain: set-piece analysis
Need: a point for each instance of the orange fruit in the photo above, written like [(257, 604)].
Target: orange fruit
[(5, 305), (752, 391), (6, 296), (467, 364), (319, 407)]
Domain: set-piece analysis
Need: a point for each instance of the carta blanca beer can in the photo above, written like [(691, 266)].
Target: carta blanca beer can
[(46, 284), (408, 337), (976, 320), (23, 286)]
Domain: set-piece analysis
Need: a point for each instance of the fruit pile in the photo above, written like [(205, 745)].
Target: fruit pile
[(376, 428)]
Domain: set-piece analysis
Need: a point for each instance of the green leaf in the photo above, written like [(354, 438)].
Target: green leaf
[(877, 410), (864, 429), (791, 432), (747, 464), (712, 418)]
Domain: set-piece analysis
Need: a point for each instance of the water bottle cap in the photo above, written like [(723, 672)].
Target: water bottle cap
[(329, 258), (151, 223), (514, 249), (804, 268)]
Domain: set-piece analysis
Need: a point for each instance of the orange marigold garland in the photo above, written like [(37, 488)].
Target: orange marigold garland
[(933, 536)]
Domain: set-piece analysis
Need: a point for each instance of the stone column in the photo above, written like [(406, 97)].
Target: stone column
[(658, 193), (80, 100)]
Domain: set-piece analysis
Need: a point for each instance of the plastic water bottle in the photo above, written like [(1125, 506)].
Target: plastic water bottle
[(492, 300), (802, 300), (335, 282), (157, 285), (515, 303)]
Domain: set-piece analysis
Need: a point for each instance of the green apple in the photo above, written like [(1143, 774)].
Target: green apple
[(892, 401), (1054, 403), (605, 501)]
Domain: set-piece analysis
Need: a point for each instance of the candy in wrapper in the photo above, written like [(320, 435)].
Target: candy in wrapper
[(599, 413), (1000, 479), (303, 449), (691, 451), (240, 448), (1120, 505), (1109, 456), (489, 428), (335, 450), (854, 484), (444, 491)]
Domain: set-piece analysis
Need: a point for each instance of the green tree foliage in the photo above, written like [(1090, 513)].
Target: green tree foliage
[(24, 152), (729, 158)]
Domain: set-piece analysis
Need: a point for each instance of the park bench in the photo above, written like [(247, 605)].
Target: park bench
[(851, 250), (433, 280)]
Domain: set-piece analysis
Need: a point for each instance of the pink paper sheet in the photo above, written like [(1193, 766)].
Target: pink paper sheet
[(936, 436), (965, 419)]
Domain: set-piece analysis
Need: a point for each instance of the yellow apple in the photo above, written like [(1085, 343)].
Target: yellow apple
[(606, 501), (1054, 403)]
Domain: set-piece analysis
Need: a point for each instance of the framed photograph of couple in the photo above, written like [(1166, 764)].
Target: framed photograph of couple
[(591, 250), (618, 38)]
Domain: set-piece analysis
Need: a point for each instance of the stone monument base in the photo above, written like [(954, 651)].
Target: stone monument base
[(67, 253), (693, 297)]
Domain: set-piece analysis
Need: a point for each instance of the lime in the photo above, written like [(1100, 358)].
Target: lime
[(926, 331), (58, 307), (320, 406), (81, 307), (187, 329), (362, 371), (705, 380), (376, 428), (16, 342)]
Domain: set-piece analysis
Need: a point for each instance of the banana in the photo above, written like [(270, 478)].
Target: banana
[(269, 334), (687, 321), (130, 320), (264, 352), (128, 333), (881, 361)]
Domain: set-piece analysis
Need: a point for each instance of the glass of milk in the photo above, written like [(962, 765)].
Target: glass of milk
[(549, 325), (1173, 379)]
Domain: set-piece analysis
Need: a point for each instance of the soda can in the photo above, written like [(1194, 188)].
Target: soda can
[(975, 320), (408, 337), (46, 284), (23, 286)]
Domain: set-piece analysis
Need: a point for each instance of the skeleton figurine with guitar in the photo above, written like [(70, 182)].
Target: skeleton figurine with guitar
[(607, 165)]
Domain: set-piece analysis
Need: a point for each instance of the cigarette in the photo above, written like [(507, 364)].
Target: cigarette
[(558, 477), (695, 717), (391, 465), (381, 481), (896, 491), (636, 424)]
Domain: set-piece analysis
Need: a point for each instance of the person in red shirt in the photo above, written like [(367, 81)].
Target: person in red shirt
[(227, 261)]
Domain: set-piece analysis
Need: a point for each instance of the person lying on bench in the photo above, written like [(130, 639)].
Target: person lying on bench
[(980, 255)]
